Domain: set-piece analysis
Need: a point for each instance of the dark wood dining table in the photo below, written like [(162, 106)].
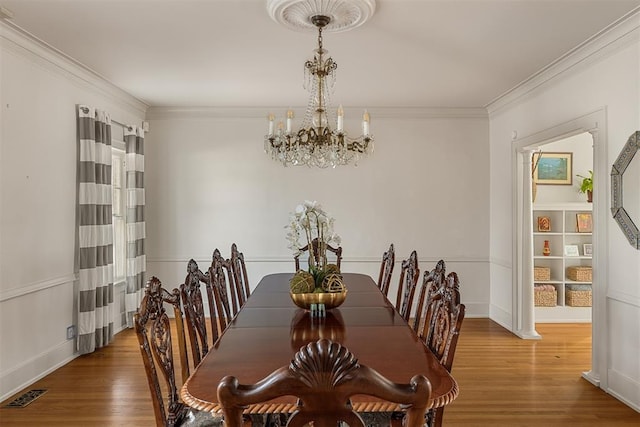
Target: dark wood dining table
[(270, 329)]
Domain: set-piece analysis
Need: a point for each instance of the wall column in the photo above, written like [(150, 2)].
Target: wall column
[(526, 326)]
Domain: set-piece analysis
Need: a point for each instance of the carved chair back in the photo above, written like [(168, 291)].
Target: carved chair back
[(222, 290), (194, 312), (324, 375), (153, 329), (445, 315), (432, 282), (409, 274), (239, 274), (386, 270), (315, 246), (442, 323)]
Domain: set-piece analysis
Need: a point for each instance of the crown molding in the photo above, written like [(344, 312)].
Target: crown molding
[(22, 43), (160, 113), (620, 33)]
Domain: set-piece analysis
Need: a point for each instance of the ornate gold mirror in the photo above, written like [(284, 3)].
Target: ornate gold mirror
[(625, 190)]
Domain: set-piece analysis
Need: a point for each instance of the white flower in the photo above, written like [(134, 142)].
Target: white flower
[(335, 239), (311, 221)]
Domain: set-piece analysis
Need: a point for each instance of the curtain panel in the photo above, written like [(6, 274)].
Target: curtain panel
[(136, 232), (95, 234)]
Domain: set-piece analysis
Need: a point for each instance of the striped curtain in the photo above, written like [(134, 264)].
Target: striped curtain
[(136, 259), (95, 234)]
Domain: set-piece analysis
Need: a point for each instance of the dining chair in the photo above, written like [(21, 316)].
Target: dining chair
[(222, 291), (195, 314), (409, 274), (443, 321), (154, 332), (314, 245), (432, 282), (240, 278), (386, 270), (323, 375), (224, 280)]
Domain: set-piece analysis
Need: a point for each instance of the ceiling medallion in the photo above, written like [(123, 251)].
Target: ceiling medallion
[(343, 15)]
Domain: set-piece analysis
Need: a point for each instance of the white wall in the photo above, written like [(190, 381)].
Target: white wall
[(581, 147), (39, 91), (210, 184), (609, 78)]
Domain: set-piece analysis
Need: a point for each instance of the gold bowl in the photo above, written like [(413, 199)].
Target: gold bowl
[(329, 299)]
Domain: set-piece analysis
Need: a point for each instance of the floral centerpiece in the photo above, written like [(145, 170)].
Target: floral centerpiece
[(311, 226)]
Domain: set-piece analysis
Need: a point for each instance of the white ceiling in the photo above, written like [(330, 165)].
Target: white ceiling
[(229, 53)]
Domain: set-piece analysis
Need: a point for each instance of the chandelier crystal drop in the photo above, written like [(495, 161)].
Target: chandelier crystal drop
[(316, 143)]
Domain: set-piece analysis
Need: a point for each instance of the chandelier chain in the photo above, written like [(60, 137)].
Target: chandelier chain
[(316, 144)]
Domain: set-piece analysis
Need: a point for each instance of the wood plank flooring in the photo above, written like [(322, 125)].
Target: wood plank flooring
[(504, 381)]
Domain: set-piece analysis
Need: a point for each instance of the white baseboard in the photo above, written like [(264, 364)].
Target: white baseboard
[(38, 367), (476, 310), (622, 387), (500, 316)]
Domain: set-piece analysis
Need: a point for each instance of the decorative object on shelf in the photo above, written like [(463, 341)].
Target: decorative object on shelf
[(541, 273), (628, 218), (316, 143), (587, 186), (545, 295), (587, 249), (544, 223), (553, 168), (580, 273), (323, 283), (571, 250), (546, 250), (578, 295), (584, 222)]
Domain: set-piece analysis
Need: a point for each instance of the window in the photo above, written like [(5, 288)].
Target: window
[(119, 211)]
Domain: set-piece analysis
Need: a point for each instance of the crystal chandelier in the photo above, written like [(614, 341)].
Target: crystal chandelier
[(315, 143)]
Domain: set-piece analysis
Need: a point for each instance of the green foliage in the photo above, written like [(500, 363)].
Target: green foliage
[(302, 282), (587, 182)]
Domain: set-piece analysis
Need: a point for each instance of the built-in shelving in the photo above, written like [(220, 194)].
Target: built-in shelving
[(563, 232)]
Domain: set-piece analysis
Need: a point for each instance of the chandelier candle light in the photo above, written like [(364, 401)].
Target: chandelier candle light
[(315, 143)]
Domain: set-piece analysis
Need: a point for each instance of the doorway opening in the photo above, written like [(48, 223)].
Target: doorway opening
[(562, 231), (591, 126)]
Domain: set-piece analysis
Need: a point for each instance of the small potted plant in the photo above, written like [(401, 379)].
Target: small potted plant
[(587, 186)]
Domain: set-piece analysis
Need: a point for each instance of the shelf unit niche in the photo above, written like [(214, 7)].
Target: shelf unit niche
[(563, 231)]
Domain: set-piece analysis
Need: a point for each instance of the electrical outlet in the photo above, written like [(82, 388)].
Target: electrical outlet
[(71, 332)]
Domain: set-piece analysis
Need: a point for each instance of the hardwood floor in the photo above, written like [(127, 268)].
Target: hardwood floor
[(504, 381)]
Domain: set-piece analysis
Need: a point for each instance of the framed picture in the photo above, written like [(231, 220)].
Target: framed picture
[(587, 249), (585, 222), (553, 168), (571, 250), (544, 223)]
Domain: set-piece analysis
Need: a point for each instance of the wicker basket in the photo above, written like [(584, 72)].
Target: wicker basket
[(578, 297), (543, 297), (541, 273), (580, 274)]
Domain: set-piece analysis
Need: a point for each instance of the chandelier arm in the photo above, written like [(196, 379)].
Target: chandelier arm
[(316, 144)]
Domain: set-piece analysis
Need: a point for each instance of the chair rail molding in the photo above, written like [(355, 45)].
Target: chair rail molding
[(36, 286)]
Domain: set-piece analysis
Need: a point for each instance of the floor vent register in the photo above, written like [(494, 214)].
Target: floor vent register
[(25, 398)]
